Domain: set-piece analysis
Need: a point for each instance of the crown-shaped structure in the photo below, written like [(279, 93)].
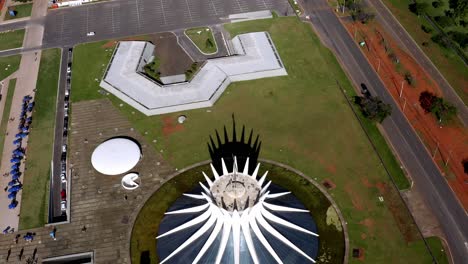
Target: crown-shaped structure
[(234, 147)]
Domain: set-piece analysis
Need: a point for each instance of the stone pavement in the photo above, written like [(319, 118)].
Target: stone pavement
[(97, 201), (25, 85)]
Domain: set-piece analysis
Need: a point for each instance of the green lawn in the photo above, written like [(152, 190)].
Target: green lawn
[(147, 223), (9, 65), (6, 112), (203, 39), (40, 144), (11, 39), (448, 63), (21, 11), (303, 120), (437, 249)]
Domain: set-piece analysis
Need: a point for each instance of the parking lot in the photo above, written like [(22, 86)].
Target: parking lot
[(112, 19)]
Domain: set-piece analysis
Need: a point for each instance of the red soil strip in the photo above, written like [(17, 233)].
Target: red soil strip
[(329, 167), (169, 126), (449, 143), (369, 223), (109, 44), (355, 198)]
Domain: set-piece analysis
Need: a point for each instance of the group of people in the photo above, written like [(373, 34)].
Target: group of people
[(15, 185)]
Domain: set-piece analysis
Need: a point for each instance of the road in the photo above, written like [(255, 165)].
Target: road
[(413, 154), (392, 25), (122, 18)]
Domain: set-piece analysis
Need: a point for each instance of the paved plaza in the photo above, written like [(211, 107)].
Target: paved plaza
[(97, 201)]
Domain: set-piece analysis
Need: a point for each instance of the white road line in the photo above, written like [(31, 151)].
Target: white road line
[(264, 4), (214, 7), (138, 13), (163, 12), (190, 13), (241, 9), (112, 19)]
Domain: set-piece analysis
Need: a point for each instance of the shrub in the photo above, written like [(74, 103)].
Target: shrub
[(209, 43), (426, 29), (418, 8), (444, 21), (460, 38), (409, 78), (442, 40), (436, 4)]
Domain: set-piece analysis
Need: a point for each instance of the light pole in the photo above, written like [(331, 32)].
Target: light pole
[(435, 151), (448, 158), (402, 85)]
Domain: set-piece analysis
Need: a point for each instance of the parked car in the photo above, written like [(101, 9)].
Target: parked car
[(91, 33), (63, 178), (63, 195), (63, 205), (64, 167), (68, 69), (64, 148)]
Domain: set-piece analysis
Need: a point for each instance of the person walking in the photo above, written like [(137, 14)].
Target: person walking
[(20, 256), (52, 233)]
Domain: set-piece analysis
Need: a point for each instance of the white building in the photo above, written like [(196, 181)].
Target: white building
[(256, 58)]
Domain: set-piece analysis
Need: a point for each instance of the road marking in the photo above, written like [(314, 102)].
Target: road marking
[(190, 13), (238, 4), (264, 4), (214, 7), (138, 13), (163, 12)]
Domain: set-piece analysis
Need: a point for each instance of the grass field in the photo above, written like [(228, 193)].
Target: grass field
[(303, 120), (21, 11), (448, 63), (11, 39), (9, 65), (203, 39), (6, 112), (437, 249), (40, 143), (147, 223)]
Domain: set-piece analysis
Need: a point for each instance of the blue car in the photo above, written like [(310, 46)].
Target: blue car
[(15, 160), (16, 176), (17, 141), (14, 171), (25, 129), (13, 182)]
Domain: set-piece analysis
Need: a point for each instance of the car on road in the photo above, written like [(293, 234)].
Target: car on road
[(91, 33), (64, 167), (365, 91), (64, 148), (68, 69), (63, 195)]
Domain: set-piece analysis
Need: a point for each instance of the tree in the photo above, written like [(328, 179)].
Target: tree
[(459, 37), (209, 43), (442, 109), (418, 8), (436, 4), (459, 7), (426, 100), (373, 108)]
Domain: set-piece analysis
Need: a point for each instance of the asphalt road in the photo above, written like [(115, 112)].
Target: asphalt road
[(413, 154), (113, 19), (56, 183), (392, 25)]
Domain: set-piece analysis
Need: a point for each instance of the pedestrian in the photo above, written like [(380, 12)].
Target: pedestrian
[(5, 231), (83, 229), (6, 188), (17, 238), (34, 253), (52, 233), (8, 254)]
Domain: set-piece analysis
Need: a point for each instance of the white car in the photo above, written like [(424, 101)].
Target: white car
[(63, 205), (64, 148), (63, 178), (91, 33)]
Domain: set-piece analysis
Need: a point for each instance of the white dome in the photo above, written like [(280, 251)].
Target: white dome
[(116, 156)]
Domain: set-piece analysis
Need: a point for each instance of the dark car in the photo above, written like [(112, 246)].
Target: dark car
[(365, 91)]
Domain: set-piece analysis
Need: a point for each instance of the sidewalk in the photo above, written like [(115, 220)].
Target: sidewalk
[(26, 83)]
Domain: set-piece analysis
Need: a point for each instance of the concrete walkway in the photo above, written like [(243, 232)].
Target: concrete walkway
[(26, 83)]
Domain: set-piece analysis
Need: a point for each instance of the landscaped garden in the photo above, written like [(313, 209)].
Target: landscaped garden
[(203, 38), (20, 11), (11, 39), (304, 121), (331, 238), (35, 197)]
